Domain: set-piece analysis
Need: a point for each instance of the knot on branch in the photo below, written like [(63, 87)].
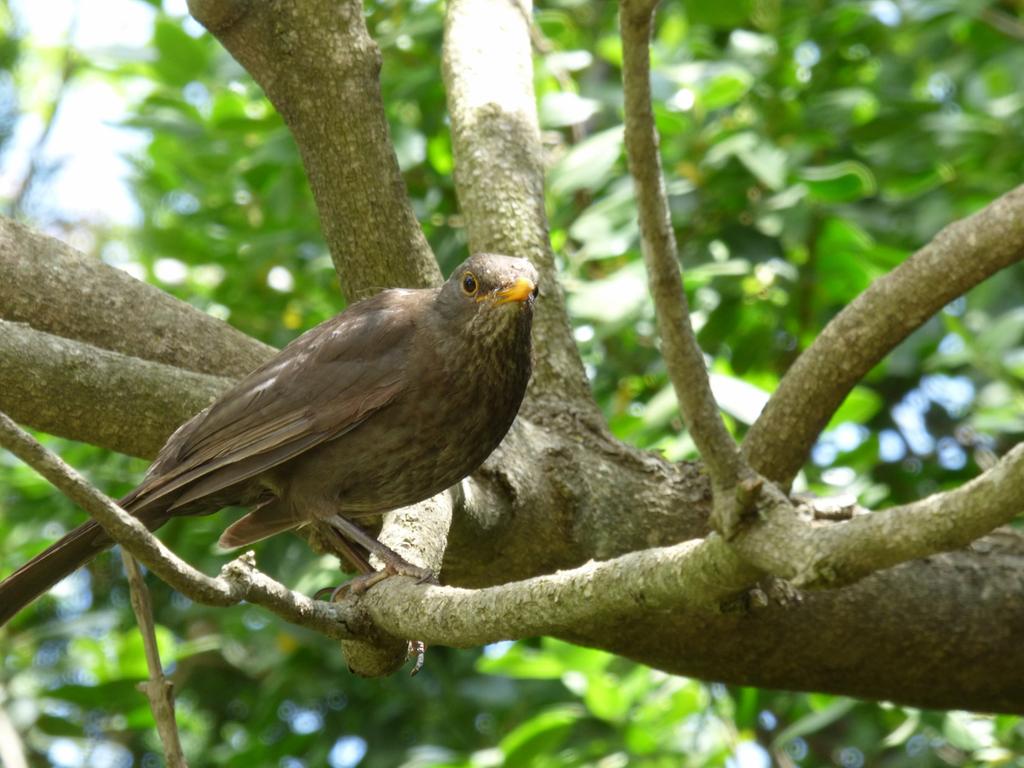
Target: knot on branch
[(733, 505), (238, 573)]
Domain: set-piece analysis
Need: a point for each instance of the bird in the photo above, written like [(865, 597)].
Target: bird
[(395, 399)]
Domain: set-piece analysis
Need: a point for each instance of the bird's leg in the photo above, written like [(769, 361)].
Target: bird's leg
[(338, 529), (394, 564), (347, 537), (356, 556), (342, 548)]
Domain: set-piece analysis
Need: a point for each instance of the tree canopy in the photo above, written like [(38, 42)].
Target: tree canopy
[(807, 151)]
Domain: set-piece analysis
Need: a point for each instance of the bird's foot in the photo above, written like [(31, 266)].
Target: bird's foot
[(360, 584)]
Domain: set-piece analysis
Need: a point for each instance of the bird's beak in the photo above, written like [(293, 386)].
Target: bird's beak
[(519, 291)]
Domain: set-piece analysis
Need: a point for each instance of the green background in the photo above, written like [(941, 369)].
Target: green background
[(808, 149)]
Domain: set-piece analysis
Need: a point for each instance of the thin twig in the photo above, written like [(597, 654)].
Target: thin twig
[(158, 689), (69, 67), (683, 356)]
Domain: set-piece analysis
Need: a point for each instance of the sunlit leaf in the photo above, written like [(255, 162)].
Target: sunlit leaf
[(839, 182), (589, 164)]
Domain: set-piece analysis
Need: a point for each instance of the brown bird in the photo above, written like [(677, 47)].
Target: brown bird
[(386, 404)]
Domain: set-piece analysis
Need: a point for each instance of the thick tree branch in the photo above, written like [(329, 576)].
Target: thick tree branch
[(318, 65), (158, 688), (75, 390), (929, 617), (692, 577), (499, 170), (683, 357), (56, 289), (942, 632), (962, 255)]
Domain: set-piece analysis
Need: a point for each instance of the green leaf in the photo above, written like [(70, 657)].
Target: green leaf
[(840, 182), (589, 164), (1002, 334), (522, 661), (814, 722), (542, 734), (725, 87), (605, 699), (721, 13), (766, 161), (908, 186), (613, 299), (609, 226), (562, 108), (858, 407), (181, 58), (439, 153)]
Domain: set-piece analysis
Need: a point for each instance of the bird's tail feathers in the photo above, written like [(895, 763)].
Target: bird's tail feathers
[(50, 566), (65, 557)]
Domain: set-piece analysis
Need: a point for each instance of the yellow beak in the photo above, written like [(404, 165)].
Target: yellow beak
[(520, 290)]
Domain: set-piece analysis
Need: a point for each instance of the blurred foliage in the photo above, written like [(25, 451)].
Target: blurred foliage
[(808, 149)]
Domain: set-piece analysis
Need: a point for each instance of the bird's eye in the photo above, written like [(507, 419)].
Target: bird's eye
[(535, 292), (469, 284)]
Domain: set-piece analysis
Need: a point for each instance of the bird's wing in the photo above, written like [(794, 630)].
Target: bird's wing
[(323, 384)]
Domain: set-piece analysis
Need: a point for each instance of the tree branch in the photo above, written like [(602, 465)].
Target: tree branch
[(499, 171), (158, 689), (939, 523), (683, 357), (663, 605), (239, 580), (788, 544), (319, 66), (75, 390), (692, 577), (56, 289), (962, 255)]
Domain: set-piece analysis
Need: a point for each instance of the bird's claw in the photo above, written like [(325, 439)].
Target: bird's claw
[(417, 650), (360, 584)]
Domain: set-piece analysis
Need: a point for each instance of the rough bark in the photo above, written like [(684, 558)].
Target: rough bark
[(499, 170), (86, 393), (56, 289), (319, 66), (936, 632)]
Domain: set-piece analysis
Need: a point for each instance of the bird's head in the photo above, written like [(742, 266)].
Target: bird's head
[(489, 292)]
